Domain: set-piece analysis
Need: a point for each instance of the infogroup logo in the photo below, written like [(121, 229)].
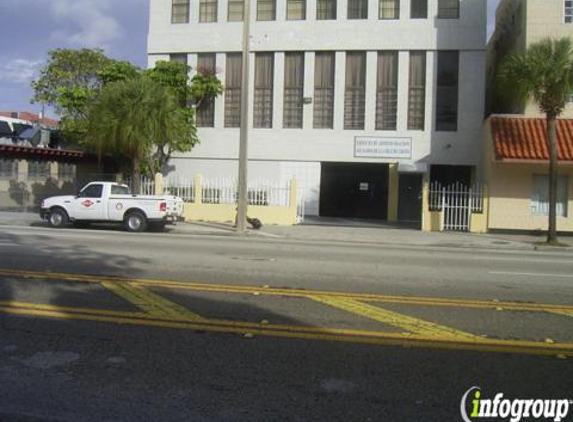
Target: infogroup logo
[(514, 410)]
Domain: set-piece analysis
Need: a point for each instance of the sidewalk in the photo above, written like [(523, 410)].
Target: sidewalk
[(345, 230)]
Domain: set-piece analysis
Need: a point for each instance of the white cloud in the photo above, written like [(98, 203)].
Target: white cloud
[(85, 23), (19, 71)]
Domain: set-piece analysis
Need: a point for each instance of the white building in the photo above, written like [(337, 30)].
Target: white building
[(357, 98)]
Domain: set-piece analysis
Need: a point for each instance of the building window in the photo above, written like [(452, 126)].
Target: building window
[(263, 102), (266, 10), (235, 10), (296, 10), (417, 91), (206, 109), (389, 9), (8, 168), (540, 195), (178, 58), (38, 170), (568, 11), (66, 171), (323, 113), (355, 90), (293, 91), (233, 75), (208, 11), (447, 91), (357, 9), (419, 9), (180, 11), (387, 90), (448, 9), (325, 9)]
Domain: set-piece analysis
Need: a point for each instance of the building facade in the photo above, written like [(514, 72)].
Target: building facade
[(516, 153), (520, 23), (359, 99)]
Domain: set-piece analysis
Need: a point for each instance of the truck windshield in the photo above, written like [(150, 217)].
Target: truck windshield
[(119, 190)]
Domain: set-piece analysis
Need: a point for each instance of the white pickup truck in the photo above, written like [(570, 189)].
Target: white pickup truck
[(104, 202)]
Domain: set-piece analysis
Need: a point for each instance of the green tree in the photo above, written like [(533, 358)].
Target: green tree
[(175, 77), (69, 82), (131, 117), (544, 73)]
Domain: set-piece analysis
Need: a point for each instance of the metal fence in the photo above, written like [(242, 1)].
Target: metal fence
[(458, 202)]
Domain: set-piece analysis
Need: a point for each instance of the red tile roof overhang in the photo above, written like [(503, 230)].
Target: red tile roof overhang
[(525, 139), (39, 152)]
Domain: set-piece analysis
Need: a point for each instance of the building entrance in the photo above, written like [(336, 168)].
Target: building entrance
[(354, 190)]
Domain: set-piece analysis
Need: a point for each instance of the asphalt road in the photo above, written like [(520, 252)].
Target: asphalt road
[(65, 369)]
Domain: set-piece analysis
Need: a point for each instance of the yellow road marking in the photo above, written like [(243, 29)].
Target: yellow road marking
[(563, 312), (413, 325), (149, 302), (364, 297), (312, 333)]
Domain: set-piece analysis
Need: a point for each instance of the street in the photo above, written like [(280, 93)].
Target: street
[(102, 325)]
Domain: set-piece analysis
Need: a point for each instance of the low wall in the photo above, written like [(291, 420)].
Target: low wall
[(226, 213)]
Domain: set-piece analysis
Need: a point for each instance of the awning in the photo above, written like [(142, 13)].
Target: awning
[(40, 152), (516, 138)]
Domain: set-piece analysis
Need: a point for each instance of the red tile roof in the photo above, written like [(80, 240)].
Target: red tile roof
[(42, 152), (525, 139), (30, 117)]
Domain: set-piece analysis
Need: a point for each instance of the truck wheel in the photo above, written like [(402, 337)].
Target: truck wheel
[(58, 218), (135, 222)]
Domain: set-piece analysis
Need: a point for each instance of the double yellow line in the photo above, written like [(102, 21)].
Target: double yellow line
[(157, 311)]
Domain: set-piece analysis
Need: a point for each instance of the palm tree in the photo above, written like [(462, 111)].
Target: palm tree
[(131, 118), (544, 73)]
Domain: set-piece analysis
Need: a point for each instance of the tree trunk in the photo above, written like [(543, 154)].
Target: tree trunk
[(136, 174), (552, 140)]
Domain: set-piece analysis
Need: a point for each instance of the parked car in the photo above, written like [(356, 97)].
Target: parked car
[(105, 202)]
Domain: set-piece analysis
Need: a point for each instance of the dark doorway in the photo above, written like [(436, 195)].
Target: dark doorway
[(449, 175), (354, 190), (410, 198)]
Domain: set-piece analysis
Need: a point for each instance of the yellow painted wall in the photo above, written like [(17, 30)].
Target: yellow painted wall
[(510, 197), (226, 213)]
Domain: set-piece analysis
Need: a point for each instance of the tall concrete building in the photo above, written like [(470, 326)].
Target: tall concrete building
[(520, 23), (359, 99)]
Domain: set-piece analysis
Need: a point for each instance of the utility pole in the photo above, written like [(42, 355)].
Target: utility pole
[(244, 132)]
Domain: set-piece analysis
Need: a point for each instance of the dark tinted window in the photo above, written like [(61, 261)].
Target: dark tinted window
[(92, 191)]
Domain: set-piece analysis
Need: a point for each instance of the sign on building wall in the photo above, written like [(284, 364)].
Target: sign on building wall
[(376, 147)]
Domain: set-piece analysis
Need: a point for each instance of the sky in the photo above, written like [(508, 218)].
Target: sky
[(31, 28)]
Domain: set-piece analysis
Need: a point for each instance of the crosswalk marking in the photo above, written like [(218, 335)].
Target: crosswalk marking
[(149, 302), (410, 324)]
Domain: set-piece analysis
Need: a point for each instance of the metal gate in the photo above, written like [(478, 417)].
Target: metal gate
[(457, 203)]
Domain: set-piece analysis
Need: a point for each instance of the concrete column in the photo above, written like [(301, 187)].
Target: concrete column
[(222, 10), (198, 185), (403, 86), (373, 10), (307, 115), (405, 7), (278, 90), (192, 62), (370, 106), (221, 61), (431, 74), (339, 83), (342, 9), (158, 182), (310, 10), (281, 10), (393, 186)]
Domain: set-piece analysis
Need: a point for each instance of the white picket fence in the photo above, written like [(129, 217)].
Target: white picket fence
[(457, 203)]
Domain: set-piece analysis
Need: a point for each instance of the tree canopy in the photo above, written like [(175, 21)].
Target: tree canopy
[(78, 83)]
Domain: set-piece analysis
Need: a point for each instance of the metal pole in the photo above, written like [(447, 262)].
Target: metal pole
[(244, 133)]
